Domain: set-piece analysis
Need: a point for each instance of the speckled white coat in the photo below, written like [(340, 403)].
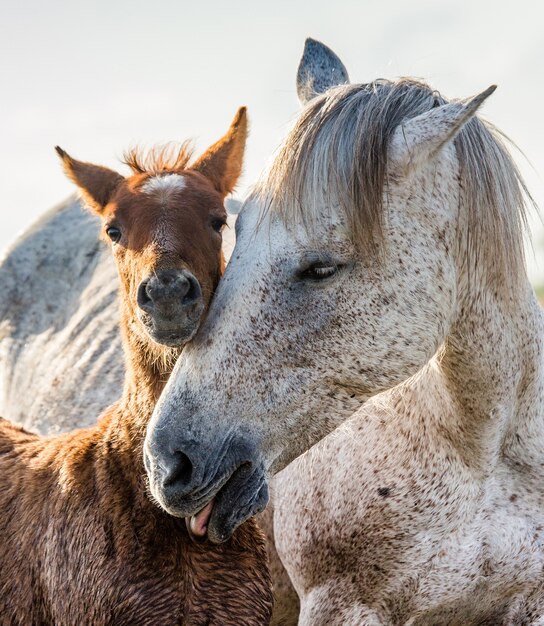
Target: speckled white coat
[(426, 506)]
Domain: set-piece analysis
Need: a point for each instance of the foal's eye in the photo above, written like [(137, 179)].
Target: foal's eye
[(218, 223), (113, 233), (319, 271)]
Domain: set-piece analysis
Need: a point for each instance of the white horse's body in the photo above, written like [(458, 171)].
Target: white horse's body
[(409, 513), (426, 507)]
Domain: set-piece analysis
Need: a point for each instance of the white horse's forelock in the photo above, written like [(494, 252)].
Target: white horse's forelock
[(337, 153)]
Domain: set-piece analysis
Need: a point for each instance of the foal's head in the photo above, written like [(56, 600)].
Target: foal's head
[(164, 224)]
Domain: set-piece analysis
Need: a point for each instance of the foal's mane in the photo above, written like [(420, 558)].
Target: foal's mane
[(160, 159), (336, 156)]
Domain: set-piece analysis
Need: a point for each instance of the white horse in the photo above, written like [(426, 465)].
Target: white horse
[(379, 262), (61, 359)]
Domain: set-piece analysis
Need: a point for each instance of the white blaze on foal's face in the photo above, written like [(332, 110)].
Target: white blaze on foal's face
[(164, 186), (165, 189)]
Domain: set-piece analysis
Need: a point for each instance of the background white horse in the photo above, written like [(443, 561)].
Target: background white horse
[(380, 258), (60, 349)]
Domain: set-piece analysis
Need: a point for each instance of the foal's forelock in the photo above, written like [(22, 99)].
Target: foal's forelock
[(337, 156), (161, 159)]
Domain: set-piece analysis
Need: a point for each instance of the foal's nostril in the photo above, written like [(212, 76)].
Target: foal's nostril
[(143, 299), (193, 289), (180, 470), (168, 292)]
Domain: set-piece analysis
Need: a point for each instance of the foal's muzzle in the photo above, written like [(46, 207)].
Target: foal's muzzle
[(187, 475), (170, 306)]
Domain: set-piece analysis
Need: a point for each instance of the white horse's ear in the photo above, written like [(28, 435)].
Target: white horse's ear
[(419, 139), (318, 70)]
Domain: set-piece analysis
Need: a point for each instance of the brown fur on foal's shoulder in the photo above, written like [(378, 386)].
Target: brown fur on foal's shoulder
[(82, 544), (80, 541)]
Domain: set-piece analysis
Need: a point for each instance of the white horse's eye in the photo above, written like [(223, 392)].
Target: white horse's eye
[(319, 272)]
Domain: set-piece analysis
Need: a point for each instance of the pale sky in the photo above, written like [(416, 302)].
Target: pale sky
[(98, 77)]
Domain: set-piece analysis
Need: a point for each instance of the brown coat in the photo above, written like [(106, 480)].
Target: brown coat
[(81, 543)]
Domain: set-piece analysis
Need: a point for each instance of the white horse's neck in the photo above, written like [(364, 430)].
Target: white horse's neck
[(492, 364)]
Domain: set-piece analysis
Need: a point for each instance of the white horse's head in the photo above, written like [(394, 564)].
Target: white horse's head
[(386, 207)]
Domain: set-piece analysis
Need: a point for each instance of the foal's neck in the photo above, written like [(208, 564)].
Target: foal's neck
[(493, 365), (148, 367)]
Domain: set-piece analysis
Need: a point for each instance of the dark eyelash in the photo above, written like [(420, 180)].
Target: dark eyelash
[(218, 224), (319, 271)]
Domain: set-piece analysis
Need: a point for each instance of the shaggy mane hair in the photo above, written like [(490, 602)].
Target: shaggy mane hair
[(336, 157)]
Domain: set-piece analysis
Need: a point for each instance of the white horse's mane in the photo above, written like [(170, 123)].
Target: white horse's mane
[(337, 156)]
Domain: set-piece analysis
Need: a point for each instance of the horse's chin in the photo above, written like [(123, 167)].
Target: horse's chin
[(242, 496), (170, 335), (235, 503), (172, 339)]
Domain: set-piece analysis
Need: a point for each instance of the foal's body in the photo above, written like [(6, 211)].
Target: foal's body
[(59, 334), (81, 542)]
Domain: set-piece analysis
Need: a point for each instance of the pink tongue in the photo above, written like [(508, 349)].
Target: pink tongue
[(199, 522)]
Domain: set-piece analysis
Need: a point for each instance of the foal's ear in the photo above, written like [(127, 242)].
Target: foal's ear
[(95, 182), (319, 69), (222, 162), (419, 139)]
